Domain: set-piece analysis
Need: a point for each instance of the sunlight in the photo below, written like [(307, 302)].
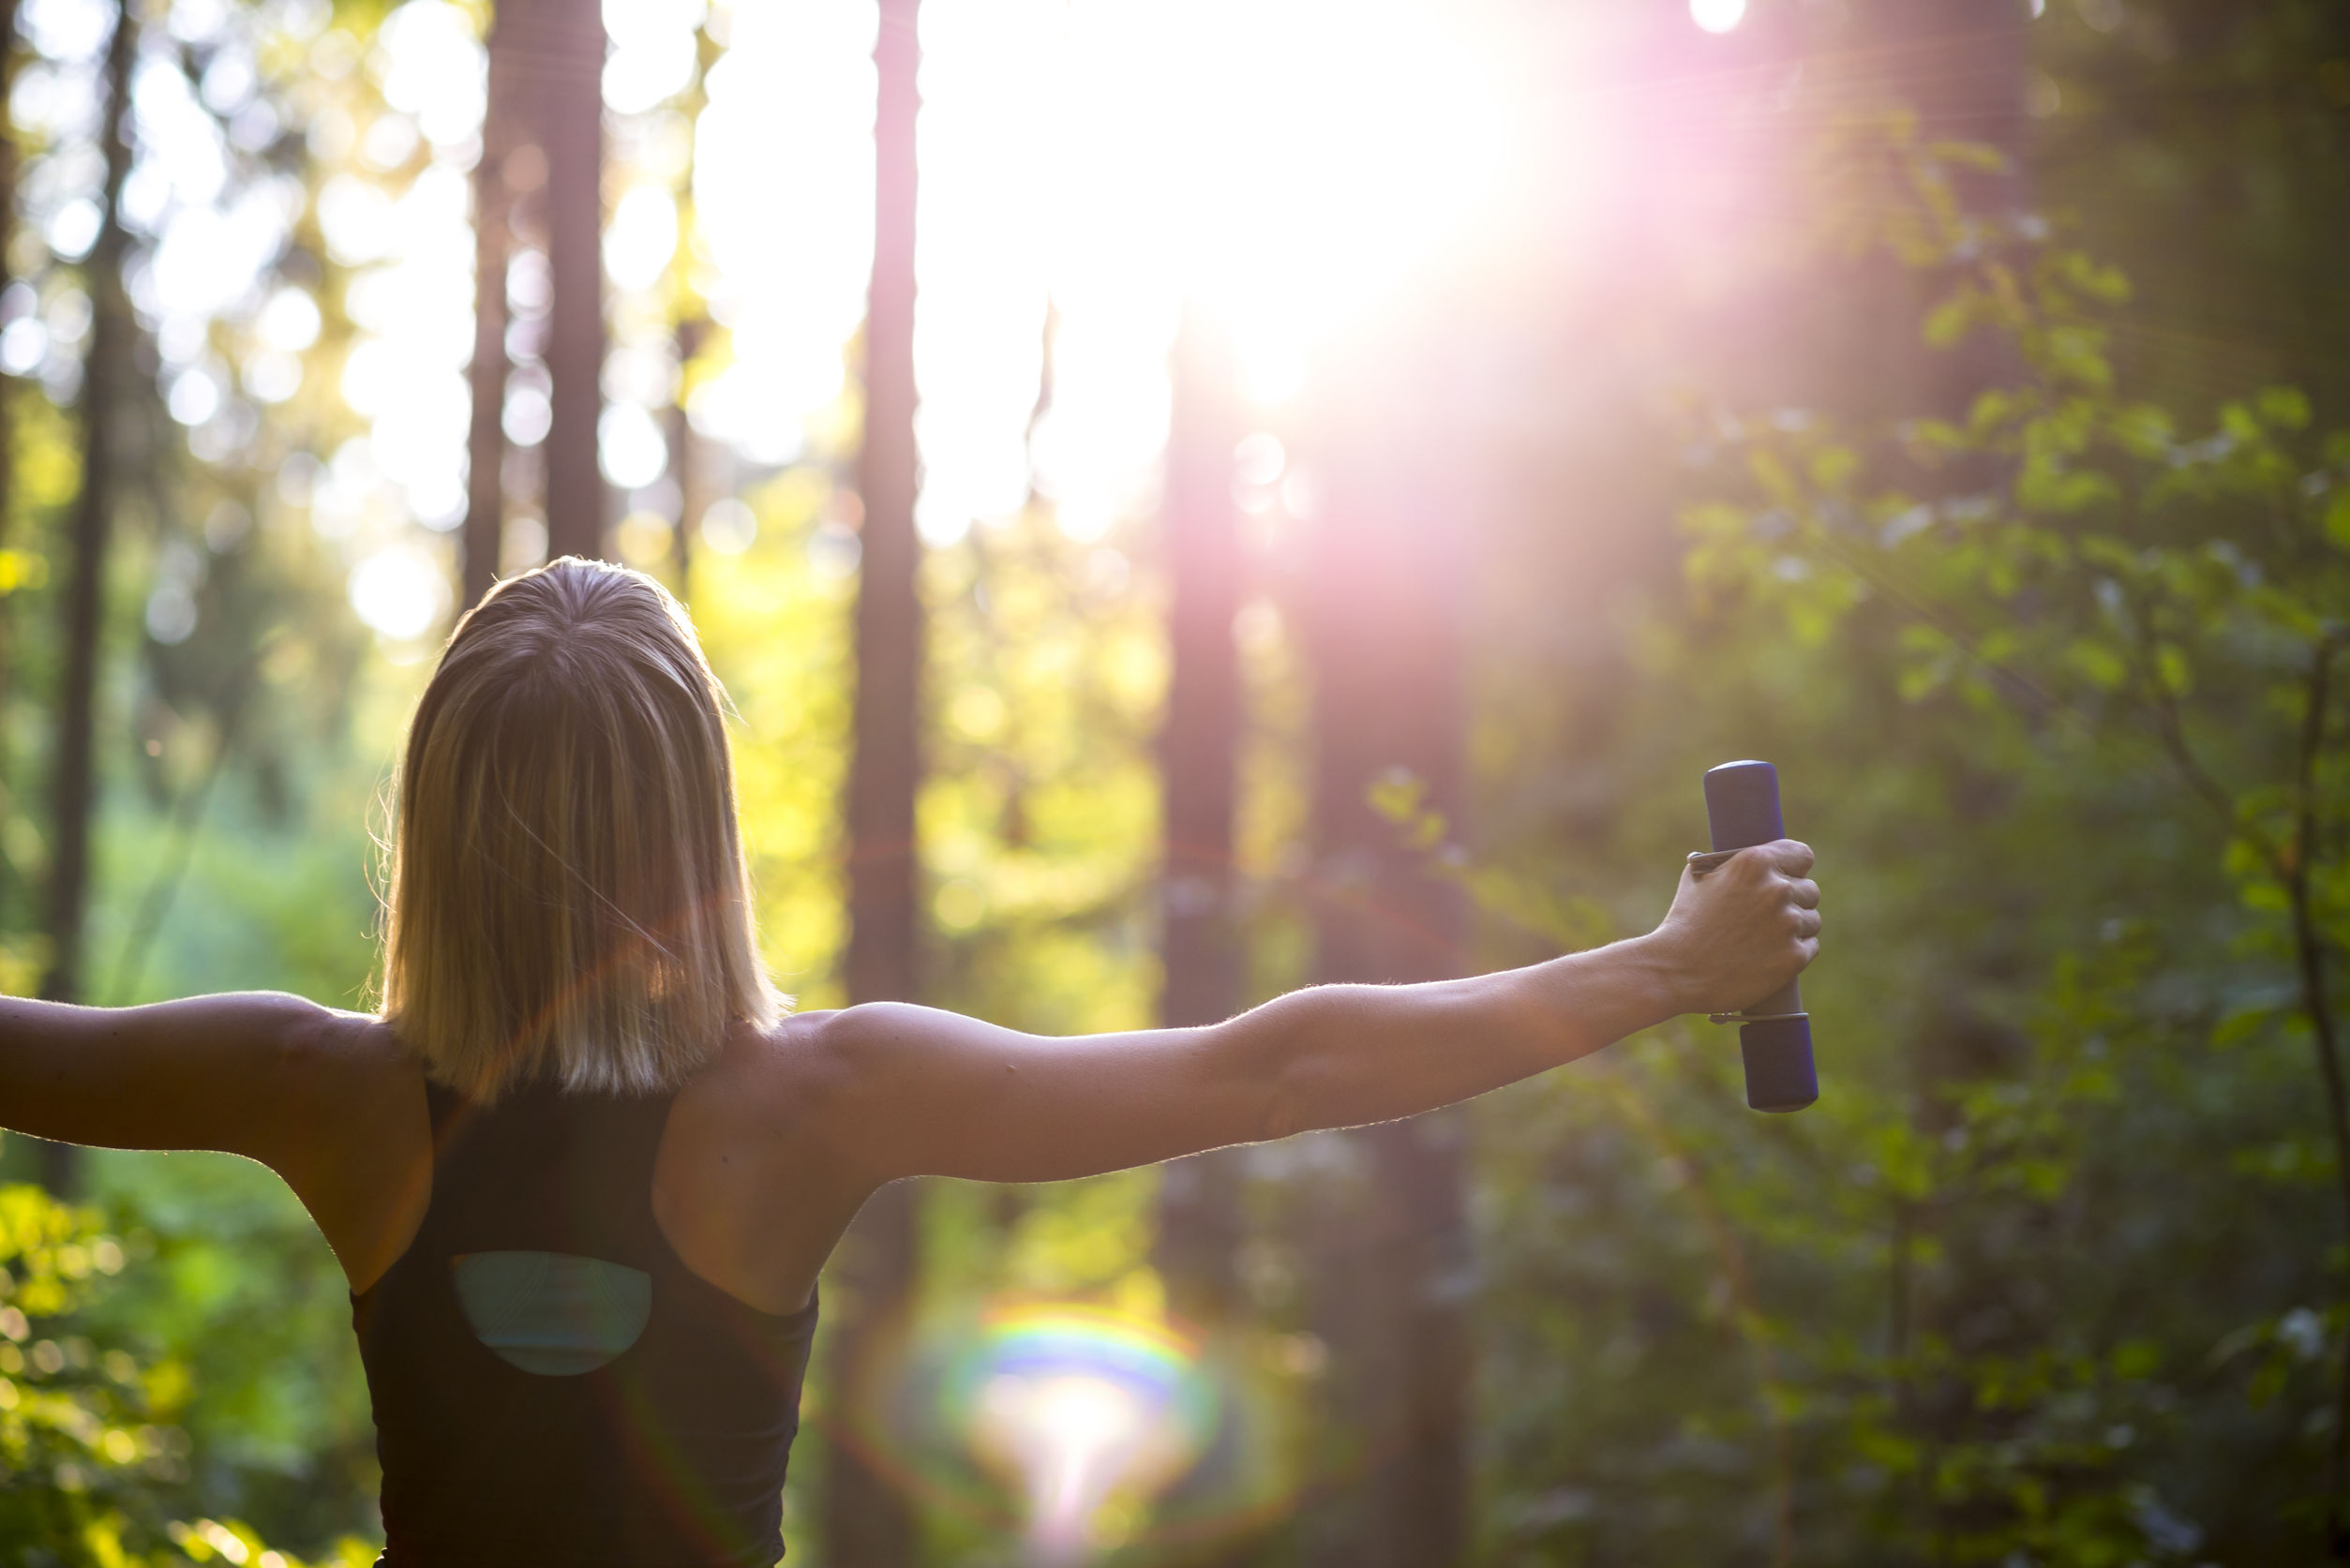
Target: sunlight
[(399, 591), (1295, 167), (1717, 16), (1317, 156), (652, 52), (1295, 164)]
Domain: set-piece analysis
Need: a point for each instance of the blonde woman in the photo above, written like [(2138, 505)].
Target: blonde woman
[(584, 1167)]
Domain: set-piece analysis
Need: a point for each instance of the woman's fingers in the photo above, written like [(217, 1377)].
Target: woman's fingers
[(1804, 891)]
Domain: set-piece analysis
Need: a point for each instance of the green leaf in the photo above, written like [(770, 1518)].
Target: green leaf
[(2107, 283), (2172, 670), (2337, 518), (2242, 1023), (2143, 430), (2284, 406), (1991, 409), (2078, 353), (2097, 664), (1952, 320), (1832, 466)]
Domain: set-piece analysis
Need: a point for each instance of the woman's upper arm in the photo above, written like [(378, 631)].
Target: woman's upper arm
[(915, 1091), (242, 1072)]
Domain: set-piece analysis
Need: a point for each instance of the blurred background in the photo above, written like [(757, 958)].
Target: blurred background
[(1193, 499)]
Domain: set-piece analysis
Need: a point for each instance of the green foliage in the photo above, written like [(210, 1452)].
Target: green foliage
[(2138, 631), (90, 1452)]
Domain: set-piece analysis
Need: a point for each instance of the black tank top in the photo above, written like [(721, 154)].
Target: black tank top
[(551, 1383)]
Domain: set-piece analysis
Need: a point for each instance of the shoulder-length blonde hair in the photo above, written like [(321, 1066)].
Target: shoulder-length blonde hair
[(568, 895)]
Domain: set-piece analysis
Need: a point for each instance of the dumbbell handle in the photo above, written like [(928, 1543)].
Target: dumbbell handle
[(1742, 802), (1785, 1002)]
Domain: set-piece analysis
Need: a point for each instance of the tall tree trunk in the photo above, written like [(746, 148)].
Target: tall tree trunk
[(1200, 1227), (686, 466), (506, 122), (7, 442), (567, 45), (1384, 637), (1199, 1219), (105, 390), (867, 1522)]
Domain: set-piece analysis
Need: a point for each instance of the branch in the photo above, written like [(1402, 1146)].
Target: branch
[(2309, 954)]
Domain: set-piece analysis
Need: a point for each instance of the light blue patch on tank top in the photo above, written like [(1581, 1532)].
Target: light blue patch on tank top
[(551, 1313)]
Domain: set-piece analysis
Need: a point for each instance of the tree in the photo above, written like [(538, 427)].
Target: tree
[(544, 120), (867, 1524), (686, 460), (107, 386), (506, 122), (1200, 1223), (1199, 1217), (1384, 639), (8, 167), (567, 40)]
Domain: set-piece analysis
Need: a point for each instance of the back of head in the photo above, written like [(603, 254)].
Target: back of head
[(568, 893)]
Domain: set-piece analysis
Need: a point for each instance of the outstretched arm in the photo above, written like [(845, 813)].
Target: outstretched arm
[(915, 1091), (227, 1072), (326, 1099)]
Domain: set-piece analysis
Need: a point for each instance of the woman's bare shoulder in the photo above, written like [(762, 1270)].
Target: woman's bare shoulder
[(343, 1063), (763, 1068)]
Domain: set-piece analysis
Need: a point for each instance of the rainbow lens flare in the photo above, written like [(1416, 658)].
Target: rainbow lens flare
[(1074, 1428), (1083, 1409)]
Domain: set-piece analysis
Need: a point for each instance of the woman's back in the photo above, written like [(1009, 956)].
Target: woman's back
[(551, 1382)]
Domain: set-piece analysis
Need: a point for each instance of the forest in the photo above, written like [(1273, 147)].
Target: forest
[(1190, 500)]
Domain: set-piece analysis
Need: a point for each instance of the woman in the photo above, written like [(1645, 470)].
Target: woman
[(583, 1169)]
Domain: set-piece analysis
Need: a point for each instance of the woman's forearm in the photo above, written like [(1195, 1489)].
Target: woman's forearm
[(1346, 1055)]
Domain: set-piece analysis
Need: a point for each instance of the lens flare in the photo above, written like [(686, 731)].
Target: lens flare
[(1073, 1428), (1081, 1409)]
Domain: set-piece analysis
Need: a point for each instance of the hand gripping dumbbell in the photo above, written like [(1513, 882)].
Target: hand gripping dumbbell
[(1742, 804)]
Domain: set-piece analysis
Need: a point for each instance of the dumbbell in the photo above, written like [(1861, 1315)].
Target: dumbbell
[(1742, 806)]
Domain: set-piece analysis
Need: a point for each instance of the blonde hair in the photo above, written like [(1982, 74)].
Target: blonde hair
[(568, 894)]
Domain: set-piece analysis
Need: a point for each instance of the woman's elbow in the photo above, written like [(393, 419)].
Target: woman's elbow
[(1269, 1056)]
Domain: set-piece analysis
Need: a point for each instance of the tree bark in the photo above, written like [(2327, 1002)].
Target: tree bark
[(105, 387), (1200, 1231), (2310, 962), (1199, 1221), (555, 50), (686, 466), (1385, 636), (7, 442), (506, 120), (867, 1522)]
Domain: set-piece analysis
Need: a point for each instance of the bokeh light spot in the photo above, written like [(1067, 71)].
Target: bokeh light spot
[(1717, 16)]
